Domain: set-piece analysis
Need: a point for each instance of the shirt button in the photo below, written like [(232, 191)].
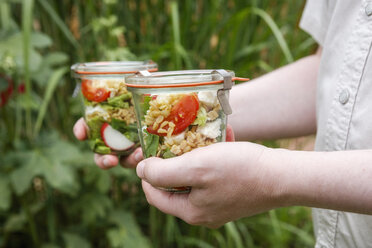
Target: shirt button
[(344, 96), (369, 9)]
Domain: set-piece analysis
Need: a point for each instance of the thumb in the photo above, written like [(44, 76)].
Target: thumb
[(171, 172)]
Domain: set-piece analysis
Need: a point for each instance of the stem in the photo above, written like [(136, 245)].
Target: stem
[(176, 33), (51, 216), (27, 9), (4, 15), (153, 228), (31, 222)]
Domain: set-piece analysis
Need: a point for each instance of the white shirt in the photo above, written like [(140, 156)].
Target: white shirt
[(344, 102)]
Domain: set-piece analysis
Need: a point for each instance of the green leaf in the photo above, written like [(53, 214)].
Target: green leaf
[(5, 193), (13, 46), (51, 86), (55, 58), (146, 103), (51, 162), (103, 182), (151, 144), (201, 117), (28, 102), (127, 234), (168, 154), (61, 177), (75, 241), (91, 207), (40, 40), (21, 178), (46, 70), (99, 178), (15, 222)]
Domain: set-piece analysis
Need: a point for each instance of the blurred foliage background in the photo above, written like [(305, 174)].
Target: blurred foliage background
[(51, 193)]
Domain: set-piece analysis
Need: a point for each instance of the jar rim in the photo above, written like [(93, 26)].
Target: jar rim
[(181, 78), (113, 67)]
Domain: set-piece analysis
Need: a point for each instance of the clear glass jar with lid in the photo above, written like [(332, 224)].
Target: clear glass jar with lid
[(178, 111), (108, 105)]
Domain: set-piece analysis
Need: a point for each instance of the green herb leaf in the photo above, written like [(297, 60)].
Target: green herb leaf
[(168, 154), (95, 125), (146, 103), (151, 144), (201, 117)]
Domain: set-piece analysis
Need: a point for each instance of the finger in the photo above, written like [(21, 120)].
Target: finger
[(171, 172), (80, 129), (106, 161), (169, 203), (229, 133), (133, 159)]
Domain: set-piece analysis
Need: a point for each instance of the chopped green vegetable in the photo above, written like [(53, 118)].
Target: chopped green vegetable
[(133, 136), (201, 117), (95, 125), (108, 107), (146, 103), (102, 150), (151, 144), (98, 146), (120, 101), (87, 102), (130, 131), (168, 154)]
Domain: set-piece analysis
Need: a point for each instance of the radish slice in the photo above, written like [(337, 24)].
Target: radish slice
[(114, 139)]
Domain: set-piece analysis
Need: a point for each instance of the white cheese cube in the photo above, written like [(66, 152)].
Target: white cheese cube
[(211, 129)]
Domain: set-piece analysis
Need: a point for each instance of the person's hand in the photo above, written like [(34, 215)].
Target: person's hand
[(107, 161), (228, 180)]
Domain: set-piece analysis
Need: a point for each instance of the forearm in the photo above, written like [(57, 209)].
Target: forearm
[(335, 180), (278, 105)]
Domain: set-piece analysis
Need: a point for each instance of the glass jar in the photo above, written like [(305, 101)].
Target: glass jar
[(178, 111), (108, 106)]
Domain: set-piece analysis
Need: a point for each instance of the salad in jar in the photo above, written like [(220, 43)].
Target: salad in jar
[(177, 123), (108, 105), (179, 111), (109, 114)]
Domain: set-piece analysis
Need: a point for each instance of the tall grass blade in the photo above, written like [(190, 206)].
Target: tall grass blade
[(59, 22), (176, 33), (27, 10), (219, 237), (4, 15), (276, 31), (304, 236), (233, 232), (264, 66), (52, 84), (275, 224), (246, 234), (195, 242)]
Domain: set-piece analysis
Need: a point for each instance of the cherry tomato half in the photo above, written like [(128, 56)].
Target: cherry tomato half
[(93, 94), (182, 115)]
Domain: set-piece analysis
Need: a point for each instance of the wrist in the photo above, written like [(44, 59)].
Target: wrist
[(278, 177)]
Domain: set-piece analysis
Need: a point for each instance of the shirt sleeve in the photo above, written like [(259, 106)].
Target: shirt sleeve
[(315, 19)]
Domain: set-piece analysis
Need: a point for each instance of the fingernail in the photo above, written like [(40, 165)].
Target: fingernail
[(106, 162), (138, 156), (139, 169)]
